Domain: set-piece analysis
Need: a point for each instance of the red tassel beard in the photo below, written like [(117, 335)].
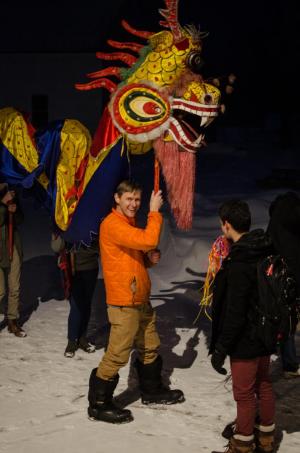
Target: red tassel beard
[(178, 168)]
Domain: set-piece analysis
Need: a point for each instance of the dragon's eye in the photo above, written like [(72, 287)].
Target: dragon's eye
[(139, 110), (195, 62)]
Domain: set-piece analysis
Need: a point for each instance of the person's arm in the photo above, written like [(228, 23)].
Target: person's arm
[(5, 200), (3, 214), (240, 290), (144, 239)]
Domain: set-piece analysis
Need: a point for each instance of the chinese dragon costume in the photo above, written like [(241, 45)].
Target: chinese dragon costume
[(160, 102)]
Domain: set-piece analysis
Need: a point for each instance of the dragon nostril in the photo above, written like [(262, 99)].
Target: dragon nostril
[(207, 99)]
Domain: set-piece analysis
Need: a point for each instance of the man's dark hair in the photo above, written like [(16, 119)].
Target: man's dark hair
[(128, 185), (237, 213)]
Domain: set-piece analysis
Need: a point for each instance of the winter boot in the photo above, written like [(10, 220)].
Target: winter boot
[(152, 389), (229, 430), (85, 345), (71, 348), (239, 444), (264, 438), (101, 406), (13, 327)]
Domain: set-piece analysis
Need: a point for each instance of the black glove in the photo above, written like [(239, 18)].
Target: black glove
[(217, 361)]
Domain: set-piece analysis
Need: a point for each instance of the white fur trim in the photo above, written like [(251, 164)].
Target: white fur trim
[(243, 438), (265, 429)]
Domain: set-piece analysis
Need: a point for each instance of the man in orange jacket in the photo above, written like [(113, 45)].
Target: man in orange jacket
[(126, 252)]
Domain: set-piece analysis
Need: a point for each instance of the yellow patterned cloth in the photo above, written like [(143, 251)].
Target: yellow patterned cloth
[(75, 144), (75, 165), (75, 169), (15, 137)]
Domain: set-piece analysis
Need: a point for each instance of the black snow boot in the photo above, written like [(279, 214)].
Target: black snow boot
[(101, 405), (229, 430), (151, 386)]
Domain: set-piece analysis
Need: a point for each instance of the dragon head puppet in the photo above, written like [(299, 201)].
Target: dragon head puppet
[(161, 102)]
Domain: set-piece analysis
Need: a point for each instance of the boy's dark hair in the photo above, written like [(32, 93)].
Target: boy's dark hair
[(237, 213), (128, 185)]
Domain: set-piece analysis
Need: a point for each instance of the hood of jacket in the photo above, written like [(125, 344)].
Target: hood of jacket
[(251, 246)]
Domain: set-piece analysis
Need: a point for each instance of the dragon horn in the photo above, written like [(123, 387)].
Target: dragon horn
[(171, 16)]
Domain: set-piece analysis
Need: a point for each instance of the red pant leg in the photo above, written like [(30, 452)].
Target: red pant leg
[(244, 374), (265, 396)]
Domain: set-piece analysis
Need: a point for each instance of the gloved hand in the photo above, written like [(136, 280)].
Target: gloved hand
[(217, 361)]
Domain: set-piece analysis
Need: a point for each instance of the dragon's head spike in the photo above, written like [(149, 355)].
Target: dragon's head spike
[(99, 83), (122, 56), (134, 46), (133, 31), (110, 71), (171, 16)]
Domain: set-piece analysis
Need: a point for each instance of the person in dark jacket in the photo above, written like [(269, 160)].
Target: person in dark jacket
[(284, 229), (11, 255), (235, 293), (83, 267)]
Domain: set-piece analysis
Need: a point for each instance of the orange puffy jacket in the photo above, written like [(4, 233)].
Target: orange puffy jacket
[(123, 248)]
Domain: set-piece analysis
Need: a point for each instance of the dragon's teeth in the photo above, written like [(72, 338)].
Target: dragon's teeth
[(203, 120)]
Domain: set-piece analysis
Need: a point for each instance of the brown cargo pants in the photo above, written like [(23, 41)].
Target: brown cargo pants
[(12, 274), (130, 326)]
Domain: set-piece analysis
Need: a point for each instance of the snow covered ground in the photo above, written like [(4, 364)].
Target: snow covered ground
[(43, 397)]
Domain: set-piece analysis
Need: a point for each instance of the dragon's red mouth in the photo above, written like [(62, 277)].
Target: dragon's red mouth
[(189, 121), (188, 129)]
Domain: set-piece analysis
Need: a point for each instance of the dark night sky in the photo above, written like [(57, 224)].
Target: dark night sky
[(257, 40)]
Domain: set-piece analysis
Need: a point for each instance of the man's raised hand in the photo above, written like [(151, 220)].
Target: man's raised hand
[(156, 201)]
